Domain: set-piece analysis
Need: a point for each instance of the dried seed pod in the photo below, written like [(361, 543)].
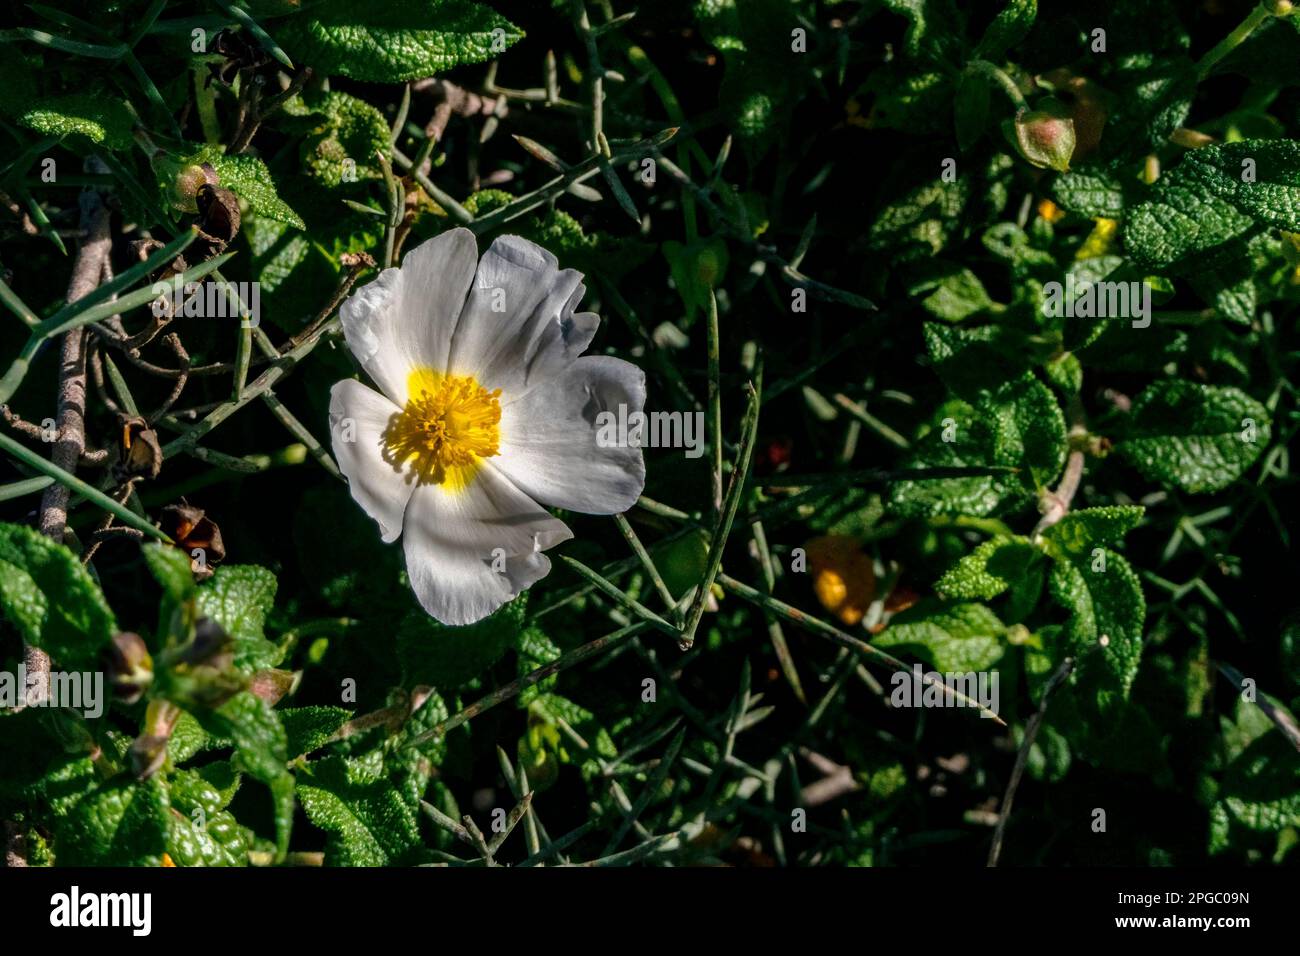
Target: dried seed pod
[(196, 534), (219, 212), (140, 453)]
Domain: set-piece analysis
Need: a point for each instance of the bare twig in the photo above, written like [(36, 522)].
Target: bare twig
[(1017, 772)]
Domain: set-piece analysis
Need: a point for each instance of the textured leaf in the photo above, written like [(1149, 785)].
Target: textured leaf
[(249, 179), (975, 360), (996, 565), (1273, 197), (187, 739), (1018, 426), (101, 118), (1007, 29), (447, 657), (952, 638), (261, 749), (255, 731), (1094, 191), (956, 296), (1079, 532), (238, 597), (209, 837), (389, 41), (342, 127), (74, 623), (369, 825), (1101, 603), (170, 568), (123, 823), (1203, 204), (1261, 787), (1192, 436), (921, 223), (309, 728)]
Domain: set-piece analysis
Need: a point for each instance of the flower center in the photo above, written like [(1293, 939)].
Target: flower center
[(450, 422)]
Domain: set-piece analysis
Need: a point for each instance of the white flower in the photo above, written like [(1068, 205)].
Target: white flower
[(486, 410)]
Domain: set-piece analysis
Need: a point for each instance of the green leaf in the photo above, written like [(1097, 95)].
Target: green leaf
[(922, 223), (548, 710), (935, 29), (952, 638), (101, 118), (1104, 599), (447, 657), (1204, 204), (249, 179), (975, 360), (1079, 532), (171, 568), (200, 833), (1271, 195), (261, 750), (309, 728), (187, 739), (123, 823), (1096, 191), (1018, 426), (1261, 787), (996, 565), (369, 825), (1197, 438), (389, 41), (956, 296), (254, 730), (341, 127), (238, 597), (293, 267), (753, 36), (535, 650), (410, 765), (23, 603), (1007, 29), (51, 598)]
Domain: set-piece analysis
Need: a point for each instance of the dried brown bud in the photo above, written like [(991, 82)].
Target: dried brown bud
[(219, 213), (196, 534), (140, 454)]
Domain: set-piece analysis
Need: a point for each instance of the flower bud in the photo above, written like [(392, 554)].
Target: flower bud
[(272, 684), (182, 181), (211, 646), (1045, 136), (129, 666)]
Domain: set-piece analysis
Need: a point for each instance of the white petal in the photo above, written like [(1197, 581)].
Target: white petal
[(358, 417), (405, 319), (471, 551), (548, 438), (518, 328)]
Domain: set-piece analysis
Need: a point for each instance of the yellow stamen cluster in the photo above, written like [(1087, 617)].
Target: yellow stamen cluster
[(449, 424)]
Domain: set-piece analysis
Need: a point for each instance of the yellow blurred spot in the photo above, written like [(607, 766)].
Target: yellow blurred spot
[(844, 578), (1100, 240), (167, 860), (1050, 211)]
